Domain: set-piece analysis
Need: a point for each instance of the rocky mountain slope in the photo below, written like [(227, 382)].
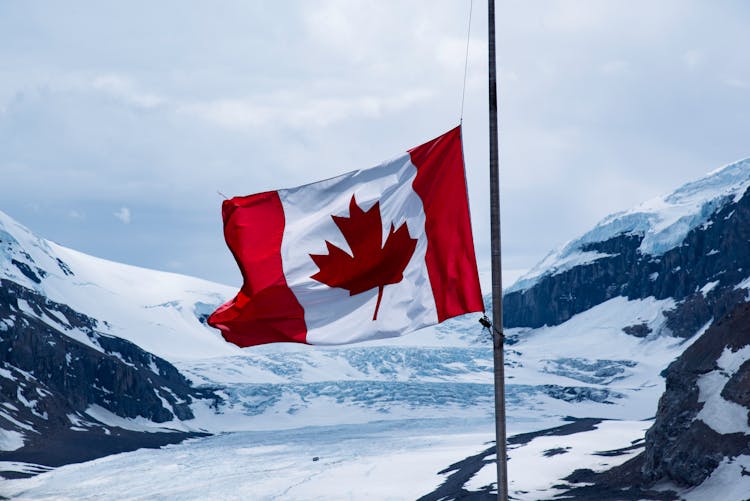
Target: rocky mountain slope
[(70, 389), (691, 247), (699, 444)]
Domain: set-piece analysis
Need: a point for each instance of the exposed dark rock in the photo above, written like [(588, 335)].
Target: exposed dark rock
[(624, 485), (64, 267), (461, 472), (556, 451), (637, 330), (619, 452), (26, 270), (60, 446), (693, 313), (737, 388), (576, 425)]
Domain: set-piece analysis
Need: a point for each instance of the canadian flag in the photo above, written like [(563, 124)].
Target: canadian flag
[(370, 254)]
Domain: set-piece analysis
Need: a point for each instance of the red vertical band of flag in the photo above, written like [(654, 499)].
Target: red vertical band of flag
[(265, 310), (451, 265)]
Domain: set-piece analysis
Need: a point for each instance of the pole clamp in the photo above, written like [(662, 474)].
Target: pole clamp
[(487, 324)]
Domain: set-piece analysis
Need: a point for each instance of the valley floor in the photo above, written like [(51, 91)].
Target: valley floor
[(381, 460)]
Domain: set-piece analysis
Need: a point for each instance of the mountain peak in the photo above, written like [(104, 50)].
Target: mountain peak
[(663, 222)]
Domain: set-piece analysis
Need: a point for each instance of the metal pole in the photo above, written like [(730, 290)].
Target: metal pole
[(497, 278)]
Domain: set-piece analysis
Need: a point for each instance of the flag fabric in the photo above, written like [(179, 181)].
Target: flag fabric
[(370, 254)]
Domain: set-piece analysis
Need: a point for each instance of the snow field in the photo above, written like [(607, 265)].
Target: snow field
[(534, 467), (376, 461)]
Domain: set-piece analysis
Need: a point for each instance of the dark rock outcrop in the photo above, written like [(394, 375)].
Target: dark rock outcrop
[(680, 447)]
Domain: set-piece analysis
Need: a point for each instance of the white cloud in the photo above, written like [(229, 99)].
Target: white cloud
[(123, 215), (300, 110), (126, 89)]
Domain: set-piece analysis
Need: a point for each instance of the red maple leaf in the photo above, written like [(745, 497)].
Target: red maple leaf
[(372, 263)]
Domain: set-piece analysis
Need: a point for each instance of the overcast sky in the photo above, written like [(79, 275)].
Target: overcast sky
[(119, 121)]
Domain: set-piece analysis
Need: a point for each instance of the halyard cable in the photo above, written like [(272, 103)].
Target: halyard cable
[(466, 61)]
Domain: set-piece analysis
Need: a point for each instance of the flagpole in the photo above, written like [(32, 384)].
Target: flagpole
[(497, 279)]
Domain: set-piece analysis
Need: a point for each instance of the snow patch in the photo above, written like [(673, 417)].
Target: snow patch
[(527, 460), (745, 284), (109, 418), (377, 461), (730, 481), (709, 287), (8, 417), (6, 374), (10, 440), (720, 414)]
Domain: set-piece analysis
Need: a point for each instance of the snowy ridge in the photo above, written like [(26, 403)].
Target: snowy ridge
[(159, 311), (663, 221)]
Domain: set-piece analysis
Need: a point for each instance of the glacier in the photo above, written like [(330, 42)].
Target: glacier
[(663, 221)]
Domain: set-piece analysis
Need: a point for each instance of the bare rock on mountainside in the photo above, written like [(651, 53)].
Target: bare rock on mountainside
[(50, 382), (703, 418)]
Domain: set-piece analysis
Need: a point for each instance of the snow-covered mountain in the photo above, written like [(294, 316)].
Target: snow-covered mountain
[(689, 252), (663, 223), (590, 334), (79, 339), (158, 311)]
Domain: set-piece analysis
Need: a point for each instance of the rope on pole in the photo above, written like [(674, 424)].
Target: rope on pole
[(466, 61)]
